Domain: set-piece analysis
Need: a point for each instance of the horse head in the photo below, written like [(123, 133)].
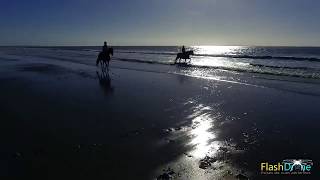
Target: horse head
[(110, 51), (190, 52)]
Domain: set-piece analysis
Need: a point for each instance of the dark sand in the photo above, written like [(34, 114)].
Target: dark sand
[(60, 121)]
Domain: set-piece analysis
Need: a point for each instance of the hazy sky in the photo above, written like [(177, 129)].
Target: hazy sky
[(160, 22)]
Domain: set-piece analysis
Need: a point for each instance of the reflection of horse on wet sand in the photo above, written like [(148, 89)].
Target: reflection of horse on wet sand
[(184, 56), (105, 81), (104, 59)]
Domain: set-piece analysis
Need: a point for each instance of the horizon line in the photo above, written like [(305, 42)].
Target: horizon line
[(157, 45)]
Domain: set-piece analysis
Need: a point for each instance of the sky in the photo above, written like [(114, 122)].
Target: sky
[(160, 22)]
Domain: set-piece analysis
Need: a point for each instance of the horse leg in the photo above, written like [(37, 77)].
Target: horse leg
[(108, 66), (102, 66)]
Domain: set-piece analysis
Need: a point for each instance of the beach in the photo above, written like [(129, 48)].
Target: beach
[(62, 118)]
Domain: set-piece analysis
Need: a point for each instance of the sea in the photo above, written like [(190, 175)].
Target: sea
[(299, 62)]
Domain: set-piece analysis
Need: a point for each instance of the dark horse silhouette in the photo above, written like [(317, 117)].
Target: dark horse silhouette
[(184, 56), (104, 58)]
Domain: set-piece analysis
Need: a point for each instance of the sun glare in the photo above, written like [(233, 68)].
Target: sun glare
[(202, 137), (213, 50)]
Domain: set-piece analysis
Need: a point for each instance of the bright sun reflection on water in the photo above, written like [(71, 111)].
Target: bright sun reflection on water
[(216, 49), (202, 137), (218, 56)]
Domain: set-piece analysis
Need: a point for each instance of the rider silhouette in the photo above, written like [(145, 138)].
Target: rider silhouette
[(183, 49), (105, 47)]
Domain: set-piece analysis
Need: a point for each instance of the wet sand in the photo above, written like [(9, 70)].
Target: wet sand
[(65, 120)]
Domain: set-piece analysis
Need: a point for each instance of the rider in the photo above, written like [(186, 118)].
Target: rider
[(105, 47), (183, 49)]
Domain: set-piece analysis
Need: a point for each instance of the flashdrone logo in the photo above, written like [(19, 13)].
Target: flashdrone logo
[(288, 166)]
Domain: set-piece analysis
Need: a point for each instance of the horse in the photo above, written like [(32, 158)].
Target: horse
[(104, 58), (184, 56)]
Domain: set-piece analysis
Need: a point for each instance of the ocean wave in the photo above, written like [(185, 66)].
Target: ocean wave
[(283, 67), (143, 61), (268, 57), (143, 52), (301, 72), (296, 58)]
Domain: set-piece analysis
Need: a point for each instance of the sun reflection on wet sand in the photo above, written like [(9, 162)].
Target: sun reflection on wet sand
[(202, 139), (206, 156)]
